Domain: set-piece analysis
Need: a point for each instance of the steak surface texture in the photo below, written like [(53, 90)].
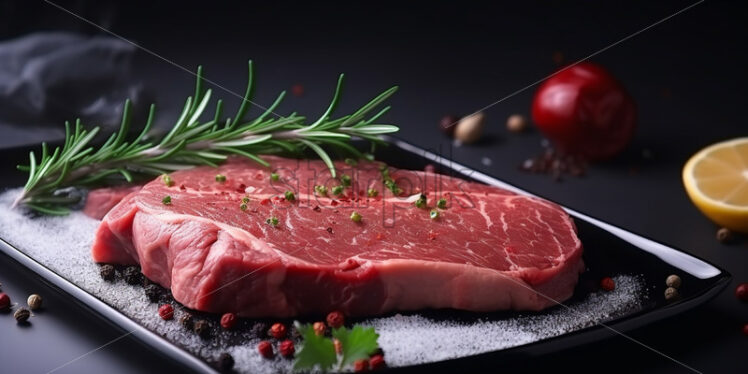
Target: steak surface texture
[(488, 249)]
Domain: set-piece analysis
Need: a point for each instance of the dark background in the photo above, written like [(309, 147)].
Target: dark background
[(687, 74)]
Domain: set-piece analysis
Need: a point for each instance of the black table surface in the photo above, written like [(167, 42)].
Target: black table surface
[(687, 75)]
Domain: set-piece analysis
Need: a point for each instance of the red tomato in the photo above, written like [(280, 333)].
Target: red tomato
[(585, 111)]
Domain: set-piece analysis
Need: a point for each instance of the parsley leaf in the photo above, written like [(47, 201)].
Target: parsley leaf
[(358, 343), (316, 350)]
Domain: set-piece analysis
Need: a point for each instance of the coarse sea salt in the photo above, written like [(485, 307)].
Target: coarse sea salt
[(407, 339)]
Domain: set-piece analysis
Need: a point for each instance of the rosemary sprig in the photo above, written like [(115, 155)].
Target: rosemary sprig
[(189, 143)]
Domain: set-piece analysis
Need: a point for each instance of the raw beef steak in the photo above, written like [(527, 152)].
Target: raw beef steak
[(489, 249)]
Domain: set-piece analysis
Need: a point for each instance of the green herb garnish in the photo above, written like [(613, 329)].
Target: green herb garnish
[(337, 190), (272, 221), (190, 142), (351, 162), (167, 180), (220, 178), (356, 217), (421, 202), (372, 192), (243, 206), (290, 196), (319, 351), (442, 203), (275, 177), (320, 190), (166, 200), (434, 214)]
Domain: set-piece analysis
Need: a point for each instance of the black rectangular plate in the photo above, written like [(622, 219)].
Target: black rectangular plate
[(609, 250)]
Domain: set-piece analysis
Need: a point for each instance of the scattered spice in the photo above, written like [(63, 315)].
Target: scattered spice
[(434, 214), (516, 123), (107, 272), (153, 292), (272, 221), (671, 294), (608, 284), (319, 328), (420, 202), (166, 312), (286, 348), (447, 124), (329, 230), (442, 203), (228, 321), (555, 164), (201, 328), (470, 128), (351, 162), (275, 177), (741, 292), (225, 362), (243, 207), (376, 362), (22, 315), (34, 301), (337, 190), (166, 200), (372, 192), (673, 281), (132, 275), (725, 235), (265, 349), (356, 217), (167, 180), (360, 366), (186, 321), (277, 330), (335, 319), (345, 180), (290, 196), (338, 346), (220, 178), (320, 190), (4, 301)]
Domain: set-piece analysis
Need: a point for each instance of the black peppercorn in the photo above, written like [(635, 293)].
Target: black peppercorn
[(724, 235), (22, 315), (107, 272), (202, 328), (153, 292), (132, 275), (186, 321), (225, 362)]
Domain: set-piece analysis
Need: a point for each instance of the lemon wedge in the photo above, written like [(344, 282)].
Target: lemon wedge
[(716, 180)]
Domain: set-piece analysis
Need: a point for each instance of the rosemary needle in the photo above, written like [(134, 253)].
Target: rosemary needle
[(189, 143)]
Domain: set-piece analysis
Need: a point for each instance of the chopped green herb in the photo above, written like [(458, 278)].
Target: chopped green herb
[(372, 192), (167, 180), (337, 190), (369, 156), (243, 206), (442, 203), (166, 200), (220, 178), (272, 221), (275, 177), (434, 214), (320, 190), (351, 162), (356, 217), (421, 202), (390, 184), (245, 199), (345, 180), (290, 196)]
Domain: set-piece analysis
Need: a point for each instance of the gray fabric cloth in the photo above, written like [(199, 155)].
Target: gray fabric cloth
[(48, 78)]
